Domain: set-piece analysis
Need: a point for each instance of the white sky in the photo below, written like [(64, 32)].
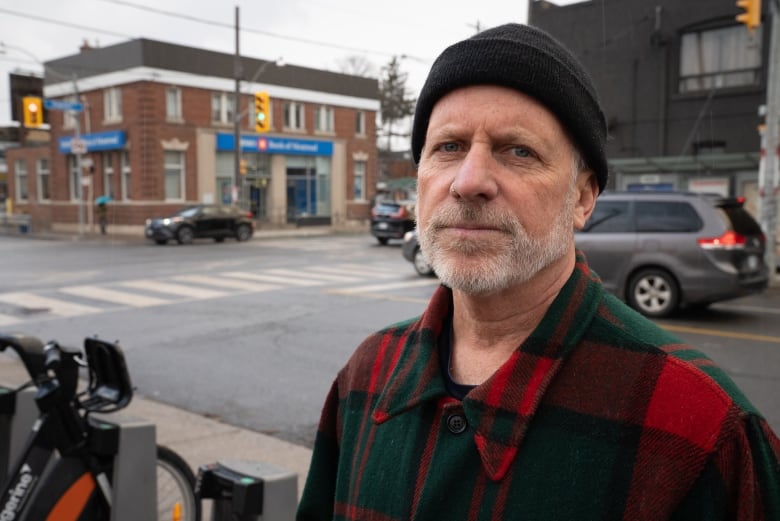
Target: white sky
[(312, 33)]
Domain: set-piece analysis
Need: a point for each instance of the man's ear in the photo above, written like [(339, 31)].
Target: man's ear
[(585, 198)]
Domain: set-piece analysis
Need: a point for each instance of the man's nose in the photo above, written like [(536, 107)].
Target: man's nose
[(475, 176)]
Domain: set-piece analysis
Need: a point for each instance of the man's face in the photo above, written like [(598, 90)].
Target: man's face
[(498, 195)]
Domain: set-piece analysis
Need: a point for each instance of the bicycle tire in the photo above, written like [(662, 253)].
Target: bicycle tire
[(176, 499)]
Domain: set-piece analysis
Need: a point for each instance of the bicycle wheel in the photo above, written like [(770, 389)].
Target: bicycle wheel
[(175, 488)]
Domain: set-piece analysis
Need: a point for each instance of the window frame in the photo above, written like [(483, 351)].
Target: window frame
[(43, 171), (298, 110), (112, 105), (173, 104), (21, 180), (361, 176), (324, 119), (222, 108), (168, 172)]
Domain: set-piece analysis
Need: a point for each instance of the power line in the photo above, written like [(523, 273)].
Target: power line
[(251, 30), (62, 23)]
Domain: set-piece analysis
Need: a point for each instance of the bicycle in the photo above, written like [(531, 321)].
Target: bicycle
[(80, 463)]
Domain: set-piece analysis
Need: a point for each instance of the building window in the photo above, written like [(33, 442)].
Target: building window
[(174, 175), (359, 193), (719, 58), (293, 116), (44, 193), (323, 119), (222, 108), (360, 123), (21, 180), (74, 178), (125, 159), (173, 104), (112, 104), (108, 175)]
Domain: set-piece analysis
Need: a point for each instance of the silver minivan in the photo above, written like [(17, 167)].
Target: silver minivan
[(659, 251)]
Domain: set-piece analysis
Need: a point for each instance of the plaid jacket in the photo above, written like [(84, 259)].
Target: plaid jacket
[(598, 415)]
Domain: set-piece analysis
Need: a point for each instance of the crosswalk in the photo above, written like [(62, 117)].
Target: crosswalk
[(87, 299)]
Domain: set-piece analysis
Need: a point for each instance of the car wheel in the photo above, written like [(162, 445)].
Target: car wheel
[(382, 240), (185, 235), (161, 242), (243, 232), (421, 264), (654, 293)]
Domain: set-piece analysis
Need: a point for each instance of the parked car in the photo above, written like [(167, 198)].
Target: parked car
[(391, 220), (659, 251), (202, 221), (411, 252)]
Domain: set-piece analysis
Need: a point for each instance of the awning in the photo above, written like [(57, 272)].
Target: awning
[(685, 164)]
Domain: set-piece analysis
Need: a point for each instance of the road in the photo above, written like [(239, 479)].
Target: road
[(253, 333)]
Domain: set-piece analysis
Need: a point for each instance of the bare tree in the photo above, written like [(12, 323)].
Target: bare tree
[(395, 101), (357, 66)]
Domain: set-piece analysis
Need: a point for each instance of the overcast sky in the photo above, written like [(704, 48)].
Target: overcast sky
[(312, 33)]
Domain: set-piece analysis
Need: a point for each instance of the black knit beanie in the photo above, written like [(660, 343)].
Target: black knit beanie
[(531, 61)]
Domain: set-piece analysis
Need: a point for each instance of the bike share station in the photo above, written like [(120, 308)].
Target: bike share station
[(239, 490)]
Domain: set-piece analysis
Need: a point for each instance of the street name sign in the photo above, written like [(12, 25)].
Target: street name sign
[(53, 104)]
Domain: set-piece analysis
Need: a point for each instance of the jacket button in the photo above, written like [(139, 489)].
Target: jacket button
[(456, 423)]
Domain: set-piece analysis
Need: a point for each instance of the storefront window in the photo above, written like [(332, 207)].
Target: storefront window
[(308, 187), (174, 175)]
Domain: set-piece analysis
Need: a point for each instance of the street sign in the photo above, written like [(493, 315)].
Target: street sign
[(53, 104), (78, 146)]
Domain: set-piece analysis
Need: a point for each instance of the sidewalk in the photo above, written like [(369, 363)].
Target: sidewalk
[(198, 439)]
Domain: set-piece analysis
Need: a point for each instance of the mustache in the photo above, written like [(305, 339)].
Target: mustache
[(473, 215)]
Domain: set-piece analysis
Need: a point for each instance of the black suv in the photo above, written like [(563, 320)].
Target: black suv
[(391, 220), (202, 221), (658, 251)]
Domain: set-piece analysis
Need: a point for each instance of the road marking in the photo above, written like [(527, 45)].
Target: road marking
[(54, 306), (389, 286), (349, 272), (309, 274), (271, 278), (387, 268), (247, 286), (117, 297), (174, 289), (721, 333), (6, 320)]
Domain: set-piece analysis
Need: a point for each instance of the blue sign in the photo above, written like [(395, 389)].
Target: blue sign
[(276, 145), (53, 104), (99, 141)]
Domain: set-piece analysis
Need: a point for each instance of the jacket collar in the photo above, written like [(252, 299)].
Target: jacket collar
[(500, 409)]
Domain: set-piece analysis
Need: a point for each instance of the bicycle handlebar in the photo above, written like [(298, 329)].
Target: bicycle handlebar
[(30, 351)]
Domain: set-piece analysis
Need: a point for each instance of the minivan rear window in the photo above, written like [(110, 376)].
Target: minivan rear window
[(666, 216)]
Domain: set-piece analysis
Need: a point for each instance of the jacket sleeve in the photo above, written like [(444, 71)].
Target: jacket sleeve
[(742, 479), (317, 501)]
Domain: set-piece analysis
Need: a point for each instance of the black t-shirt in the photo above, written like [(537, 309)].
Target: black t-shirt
[(455, 389)]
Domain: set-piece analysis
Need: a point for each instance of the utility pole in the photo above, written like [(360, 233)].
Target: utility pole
[(768, 174), (237, 70)]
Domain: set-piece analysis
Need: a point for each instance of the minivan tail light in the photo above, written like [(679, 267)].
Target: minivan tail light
[(730, 240), (400, 214)]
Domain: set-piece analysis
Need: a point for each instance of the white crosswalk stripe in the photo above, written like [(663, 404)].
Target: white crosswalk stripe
[(173, 289), (6, 320), (225, 283), (262, 277), (389, 286), (55, 306), (317, 276), (117, 297)]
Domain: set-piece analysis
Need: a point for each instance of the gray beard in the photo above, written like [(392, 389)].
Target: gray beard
[(499, 264)]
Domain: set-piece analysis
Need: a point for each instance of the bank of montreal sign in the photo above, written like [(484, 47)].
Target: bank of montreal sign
[(96, 142), (276, 145)]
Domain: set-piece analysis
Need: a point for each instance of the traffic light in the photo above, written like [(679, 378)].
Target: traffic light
[(262, 112), (751, 16), (32, 110)]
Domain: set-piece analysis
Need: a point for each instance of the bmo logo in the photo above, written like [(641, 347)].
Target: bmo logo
[(262, 144)]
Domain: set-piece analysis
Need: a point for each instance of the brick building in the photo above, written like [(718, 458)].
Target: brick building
[(157, 133)]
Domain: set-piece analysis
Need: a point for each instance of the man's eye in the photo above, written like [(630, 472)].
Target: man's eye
[(521, 152), (449, 147)]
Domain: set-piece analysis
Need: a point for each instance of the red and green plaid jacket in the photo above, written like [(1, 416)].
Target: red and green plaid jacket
[(598, 415)]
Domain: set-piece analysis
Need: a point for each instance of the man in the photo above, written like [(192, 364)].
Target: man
[(526, 391)]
